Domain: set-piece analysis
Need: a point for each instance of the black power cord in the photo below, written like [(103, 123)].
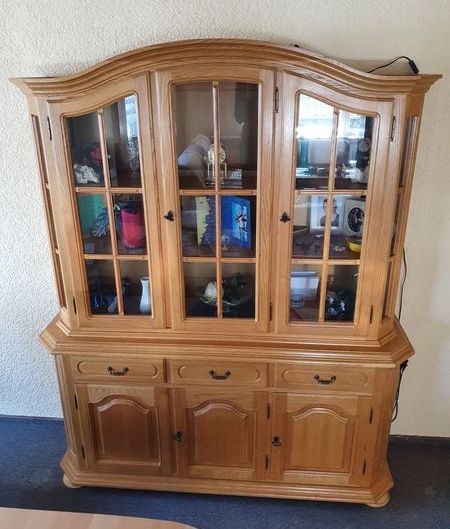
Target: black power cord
[(412, 64), (403, 366)]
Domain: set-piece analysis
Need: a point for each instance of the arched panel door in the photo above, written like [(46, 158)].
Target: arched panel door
[(221, 433), (125, 429), (334, 204)]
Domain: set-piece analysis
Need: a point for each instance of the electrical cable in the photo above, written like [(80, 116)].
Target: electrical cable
[(405, 266), (403, 366), (412, 64)]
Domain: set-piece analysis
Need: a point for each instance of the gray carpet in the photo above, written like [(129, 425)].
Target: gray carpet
[(30, 450)]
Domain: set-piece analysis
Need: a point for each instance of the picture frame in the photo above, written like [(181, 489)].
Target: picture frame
[(354, 213), (317, 218), (236, 221)]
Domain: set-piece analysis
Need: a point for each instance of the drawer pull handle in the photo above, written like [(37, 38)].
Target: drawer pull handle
[(215, 376), (178, 437), (276, 440), (115, 373), (325, 381)]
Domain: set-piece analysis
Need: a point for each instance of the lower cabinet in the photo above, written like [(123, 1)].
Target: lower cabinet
[(319, 438), (221, 433), (125, 428)]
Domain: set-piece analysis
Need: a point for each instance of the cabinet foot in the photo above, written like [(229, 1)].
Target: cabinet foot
[(384, 500), (69, 484)]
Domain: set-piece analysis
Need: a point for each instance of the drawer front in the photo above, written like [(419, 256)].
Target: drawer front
[(118, 369), (325, 378), (215, 373)]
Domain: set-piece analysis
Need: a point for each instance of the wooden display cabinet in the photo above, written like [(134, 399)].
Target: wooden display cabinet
[(227, 221)]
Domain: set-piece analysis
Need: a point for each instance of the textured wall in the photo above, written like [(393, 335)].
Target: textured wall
[(54, 37)]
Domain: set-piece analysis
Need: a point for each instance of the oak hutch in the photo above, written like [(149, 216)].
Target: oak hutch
[(227, 221)]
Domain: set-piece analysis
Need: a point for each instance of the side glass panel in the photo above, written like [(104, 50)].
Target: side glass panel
[(398, 208), (347, 226), (304, 300), (194, 133), (102, 287), (94, 223), (111, 219), (85, 149), (218, 228), (387, 291), (354, 146), (314, 134), (238, 112), (342, 282), (122, 141), (406, 150)]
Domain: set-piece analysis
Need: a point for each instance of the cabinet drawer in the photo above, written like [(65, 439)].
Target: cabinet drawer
[(323, 377), (217, 373), (118, 369)]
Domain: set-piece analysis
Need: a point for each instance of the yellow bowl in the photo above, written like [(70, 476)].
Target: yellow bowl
[(354, 244)]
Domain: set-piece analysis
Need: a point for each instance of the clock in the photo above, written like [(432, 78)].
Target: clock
[(222, 155)]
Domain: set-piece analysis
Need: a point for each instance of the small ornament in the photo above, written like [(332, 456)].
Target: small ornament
[(85, 174)]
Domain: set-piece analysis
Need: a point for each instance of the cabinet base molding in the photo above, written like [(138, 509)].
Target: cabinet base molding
[(375, 496)]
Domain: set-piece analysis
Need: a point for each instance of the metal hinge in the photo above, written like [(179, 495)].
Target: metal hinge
[(393, 128), (364, 467), (268, 411), (276, 99), (371, 416), (49, 128), (83, 453), (267, 462), (76, 402), (371, 314), (74, 304)]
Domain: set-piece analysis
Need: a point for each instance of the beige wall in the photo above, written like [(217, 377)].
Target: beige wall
[(59, 37)]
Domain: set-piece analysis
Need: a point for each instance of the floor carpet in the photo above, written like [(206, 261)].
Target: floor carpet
[(30, 477)]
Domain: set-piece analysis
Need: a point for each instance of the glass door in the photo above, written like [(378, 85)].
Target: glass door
[(217, 205), (323, 221)]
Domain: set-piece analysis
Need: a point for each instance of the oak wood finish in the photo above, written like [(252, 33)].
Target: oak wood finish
[(261, 406)]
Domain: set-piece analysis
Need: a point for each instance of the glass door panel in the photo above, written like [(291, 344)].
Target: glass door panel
[(313, 143), (135, 287), (238, 111), (85, 150), (216, 129), (94, 223), (122, 141), (194, 133), (102, 287), (304, 300), (130, 224), (309, 226), (342, 282), (347, 226), (354, 146), (198, 225)]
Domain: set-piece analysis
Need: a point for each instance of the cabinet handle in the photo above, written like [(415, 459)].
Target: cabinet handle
[(115, 373), (325, 381), (276, 441), (215, 376), (169, 216), (285, 217), (178, 436)]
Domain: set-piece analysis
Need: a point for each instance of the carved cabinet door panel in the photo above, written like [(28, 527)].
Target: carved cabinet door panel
[(319, 439), (220, 433), (125, 429)]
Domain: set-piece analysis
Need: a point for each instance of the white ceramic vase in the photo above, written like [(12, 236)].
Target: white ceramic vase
[(146, 305)]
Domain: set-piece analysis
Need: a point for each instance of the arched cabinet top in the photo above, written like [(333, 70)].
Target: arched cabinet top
[(232, 51)]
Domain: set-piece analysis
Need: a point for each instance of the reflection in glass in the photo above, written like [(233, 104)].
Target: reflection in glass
[(130, 224), (304, 298), (238, 219), (198, 225), (200, 287), (194, 133), (406, 150), (102, 287), (309, 226), (313, 135), (346, 239), (354, 144), (122, 141), (86, 153), (238, 290), (94, 223), (135, 287), (340, 299), (238, 111)]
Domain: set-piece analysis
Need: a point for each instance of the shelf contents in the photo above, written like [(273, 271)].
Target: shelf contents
[(102, 287), (304, 292), (94, 223), (135, 287), (198, 225), (130, 225), (238, 224), (340, 299), (238, 290)]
